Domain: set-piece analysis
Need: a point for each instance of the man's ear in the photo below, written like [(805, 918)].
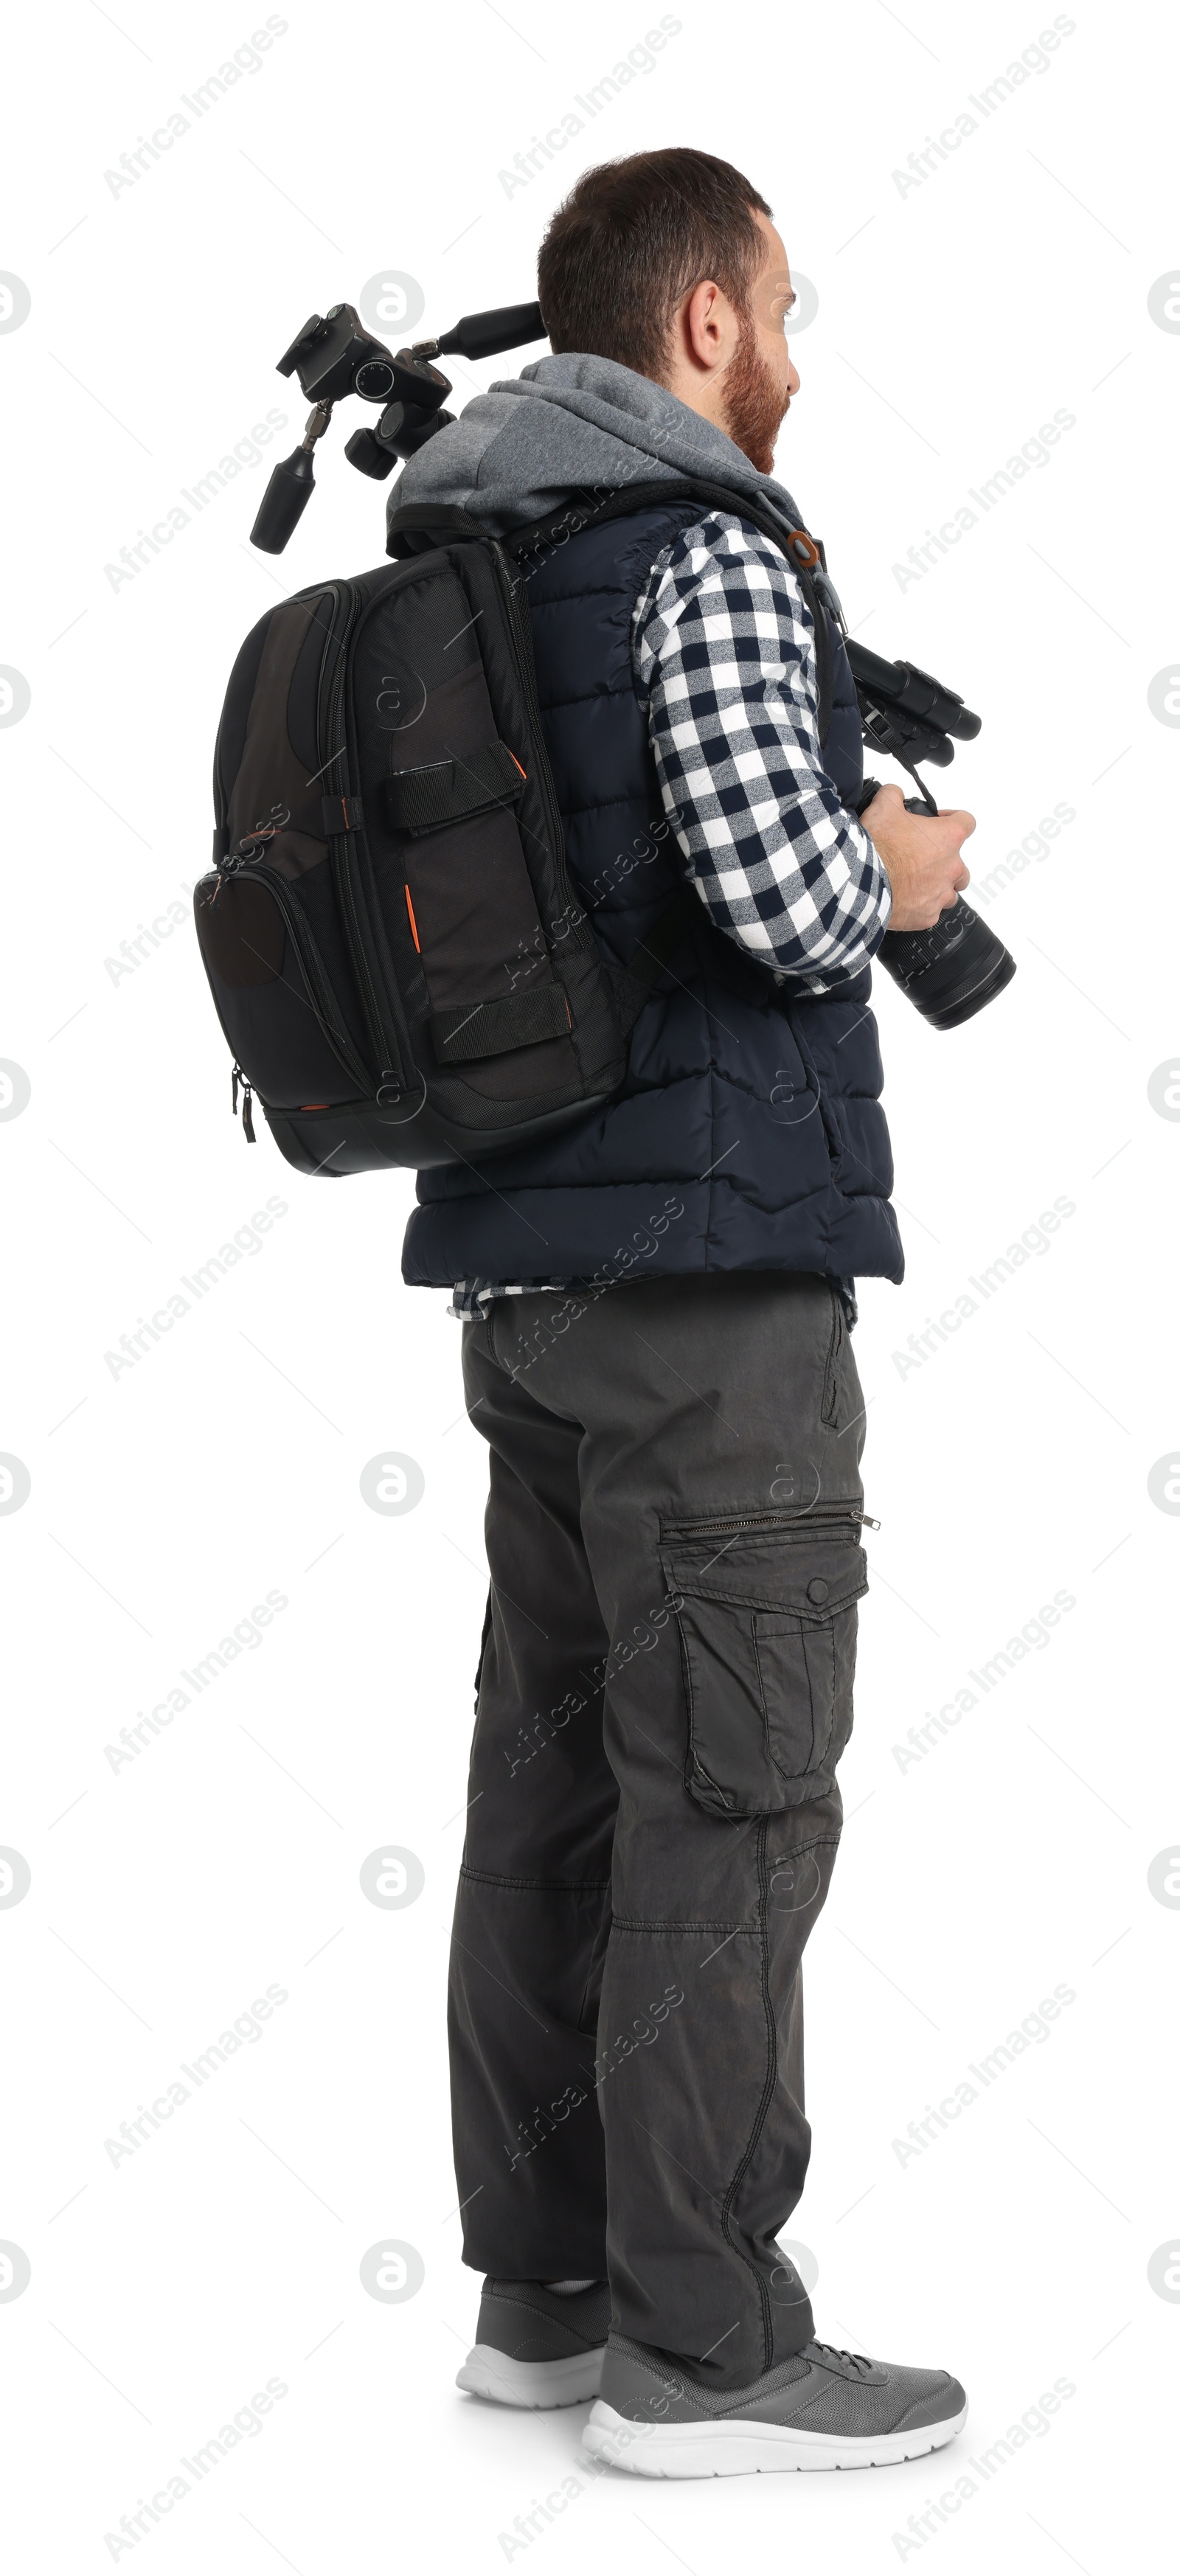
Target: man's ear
[(703, 324)]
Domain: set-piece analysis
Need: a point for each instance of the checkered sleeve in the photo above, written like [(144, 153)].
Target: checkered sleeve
[(723, 651)]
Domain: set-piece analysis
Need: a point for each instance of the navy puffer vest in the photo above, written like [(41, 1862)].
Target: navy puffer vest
[(749, 1134)]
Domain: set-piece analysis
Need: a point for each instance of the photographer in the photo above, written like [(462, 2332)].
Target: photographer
[(676, 1508)]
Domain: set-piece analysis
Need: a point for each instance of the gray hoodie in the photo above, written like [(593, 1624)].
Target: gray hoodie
[(574, 424)]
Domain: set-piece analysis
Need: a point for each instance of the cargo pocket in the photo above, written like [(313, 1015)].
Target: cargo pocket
[(767, 1622)]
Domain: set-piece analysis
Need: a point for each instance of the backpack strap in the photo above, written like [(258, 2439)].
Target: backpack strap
[(418, 525), (805, 558)]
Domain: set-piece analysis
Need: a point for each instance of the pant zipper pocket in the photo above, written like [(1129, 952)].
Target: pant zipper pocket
[(787, 1525)]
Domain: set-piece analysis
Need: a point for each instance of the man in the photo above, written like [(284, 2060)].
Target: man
[(657, 1308)]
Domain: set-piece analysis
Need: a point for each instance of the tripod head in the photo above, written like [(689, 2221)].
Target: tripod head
[(334, 356)]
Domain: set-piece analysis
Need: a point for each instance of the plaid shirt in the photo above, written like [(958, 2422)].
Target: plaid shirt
[(723, 650), (723, 653)]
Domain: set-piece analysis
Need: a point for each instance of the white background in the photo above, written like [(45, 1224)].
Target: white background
[(166, 1894)]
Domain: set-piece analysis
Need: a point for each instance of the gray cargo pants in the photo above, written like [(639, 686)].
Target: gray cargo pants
[(665, 1687)]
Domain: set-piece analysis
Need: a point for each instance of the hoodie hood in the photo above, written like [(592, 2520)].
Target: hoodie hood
[(570, 424)]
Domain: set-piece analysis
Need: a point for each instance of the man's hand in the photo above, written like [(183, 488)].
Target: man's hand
[(920, 856)]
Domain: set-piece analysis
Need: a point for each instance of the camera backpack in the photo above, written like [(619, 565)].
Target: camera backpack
[(402, 969)]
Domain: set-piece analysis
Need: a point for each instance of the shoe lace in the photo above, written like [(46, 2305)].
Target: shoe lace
[(857, 2361)]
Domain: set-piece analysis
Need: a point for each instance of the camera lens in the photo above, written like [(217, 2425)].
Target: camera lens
[(951, 972)]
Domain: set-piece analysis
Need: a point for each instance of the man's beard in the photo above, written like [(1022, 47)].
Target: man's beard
[(754, 406)]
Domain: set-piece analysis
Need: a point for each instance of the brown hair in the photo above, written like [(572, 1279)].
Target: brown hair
[(633, 238)]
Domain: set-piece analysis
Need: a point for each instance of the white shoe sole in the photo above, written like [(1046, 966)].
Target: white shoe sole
[(488, 2373), (733, 2450)]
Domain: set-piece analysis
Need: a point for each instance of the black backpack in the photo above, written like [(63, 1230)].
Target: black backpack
[(401, 967)]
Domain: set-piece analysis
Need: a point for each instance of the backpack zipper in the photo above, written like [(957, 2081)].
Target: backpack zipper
[(788, 1525), (333, 740), (247, 1097), (331, 731), (518, 619)]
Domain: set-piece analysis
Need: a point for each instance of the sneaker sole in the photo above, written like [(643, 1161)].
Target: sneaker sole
[(733, 2450), (488, 2373)]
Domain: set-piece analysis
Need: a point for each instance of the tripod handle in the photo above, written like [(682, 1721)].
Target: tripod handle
[(486, 335), (284, 501), (290, 487)]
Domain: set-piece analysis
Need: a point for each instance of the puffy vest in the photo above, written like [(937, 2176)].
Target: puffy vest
[(749, 1134)]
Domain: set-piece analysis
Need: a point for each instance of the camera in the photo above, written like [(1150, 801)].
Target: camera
[(952, 971)]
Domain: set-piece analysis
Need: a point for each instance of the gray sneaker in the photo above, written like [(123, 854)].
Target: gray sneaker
[(821, 2410), (537, 2347)]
